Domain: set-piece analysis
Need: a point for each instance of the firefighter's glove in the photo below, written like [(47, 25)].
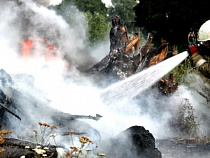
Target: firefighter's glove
[(192, 49)]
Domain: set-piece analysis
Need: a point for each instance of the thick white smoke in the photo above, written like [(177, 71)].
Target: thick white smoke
[(70, 91), (40, 2)]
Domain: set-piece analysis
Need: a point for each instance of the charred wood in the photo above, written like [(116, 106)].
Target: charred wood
[(99, 66), (146, 47), (144, 63), (6, 109), (167, 86), (17, 148)]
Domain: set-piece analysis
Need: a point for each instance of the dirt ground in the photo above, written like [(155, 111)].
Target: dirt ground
[(183, 148)]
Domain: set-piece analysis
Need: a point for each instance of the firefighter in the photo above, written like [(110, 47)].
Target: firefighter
[(191, 37), (200, 54)]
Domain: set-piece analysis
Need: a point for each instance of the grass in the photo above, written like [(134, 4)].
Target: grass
[(42, 137)]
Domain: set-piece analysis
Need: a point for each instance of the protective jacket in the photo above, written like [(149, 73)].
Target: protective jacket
[(201, 64)]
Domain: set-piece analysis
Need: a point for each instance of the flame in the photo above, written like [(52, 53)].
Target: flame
[(49, 51), (27, 46), (31, 49)]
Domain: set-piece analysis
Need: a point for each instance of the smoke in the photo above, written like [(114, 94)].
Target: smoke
[(48, 2), (198, 94), (36, 22), (37, 81), (40, 2), (48, 82), (27, 20)]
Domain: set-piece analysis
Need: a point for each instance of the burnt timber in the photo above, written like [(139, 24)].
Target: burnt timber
[(126, 58)]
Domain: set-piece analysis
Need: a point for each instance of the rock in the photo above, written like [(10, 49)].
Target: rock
[(134, 142)]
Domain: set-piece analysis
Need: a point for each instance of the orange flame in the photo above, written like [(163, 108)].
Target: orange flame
[(50, 51), (26, 48)]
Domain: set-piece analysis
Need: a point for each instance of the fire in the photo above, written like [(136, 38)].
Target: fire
[(32, 49), (50, 51), (27, 46), (28, 49)]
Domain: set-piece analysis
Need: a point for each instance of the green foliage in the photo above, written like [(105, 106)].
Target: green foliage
[(171, 19), (98, 27), (88, 5), (125, 9), (181, 71), (96, 16)]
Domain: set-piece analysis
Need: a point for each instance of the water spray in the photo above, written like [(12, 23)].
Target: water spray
[(134, 85)]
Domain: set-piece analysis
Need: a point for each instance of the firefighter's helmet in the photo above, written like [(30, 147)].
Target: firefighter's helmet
[(204, 32)]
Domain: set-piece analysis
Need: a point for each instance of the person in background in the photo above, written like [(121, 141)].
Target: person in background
[(200, 54), (191, 37)]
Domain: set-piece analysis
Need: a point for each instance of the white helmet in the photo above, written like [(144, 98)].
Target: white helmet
[(204, 32)]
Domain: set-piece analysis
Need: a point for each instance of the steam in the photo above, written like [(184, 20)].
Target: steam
[(198, 94), (37, 22), (68, 90), (40, 2), (41, 81), (107, 2)]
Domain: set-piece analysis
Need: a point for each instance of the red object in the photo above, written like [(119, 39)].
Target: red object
[(193, 49)]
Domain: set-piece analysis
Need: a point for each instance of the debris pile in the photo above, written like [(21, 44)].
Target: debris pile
[(126, 57)]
